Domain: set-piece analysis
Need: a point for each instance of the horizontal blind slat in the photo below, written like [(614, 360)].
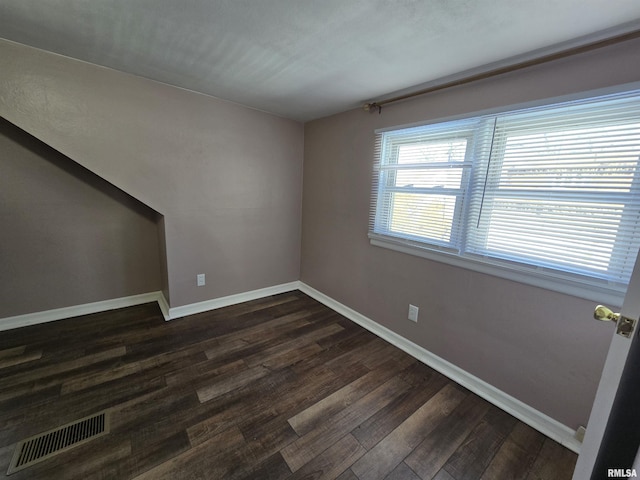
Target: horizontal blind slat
[(556, 188)]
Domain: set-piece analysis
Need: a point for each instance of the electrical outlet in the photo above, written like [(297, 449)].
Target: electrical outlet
[(413, 313), (200, 279)]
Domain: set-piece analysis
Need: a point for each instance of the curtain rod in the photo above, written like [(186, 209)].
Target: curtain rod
[(509, 68)]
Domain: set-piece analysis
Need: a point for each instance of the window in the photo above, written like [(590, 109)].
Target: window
[(552, 191)]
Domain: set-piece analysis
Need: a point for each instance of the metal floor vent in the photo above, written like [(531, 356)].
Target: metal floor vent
[(45, 445)]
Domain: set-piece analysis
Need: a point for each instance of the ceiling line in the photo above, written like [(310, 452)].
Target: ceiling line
[(377, 106)]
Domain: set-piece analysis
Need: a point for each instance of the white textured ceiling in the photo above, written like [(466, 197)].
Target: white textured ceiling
[(305, 59)]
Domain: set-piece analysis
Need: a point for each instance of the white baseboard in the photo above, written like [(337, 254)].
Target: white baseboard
[(207, 305), (164, 306), (532, 417), (35, 318)]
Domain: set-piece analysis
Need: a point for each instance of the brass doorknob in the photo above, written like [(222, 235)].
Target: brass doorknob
[(605, 314)]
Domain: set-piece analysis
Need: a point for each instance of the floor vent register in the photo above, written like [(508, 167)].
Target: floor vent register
[(45, 445)]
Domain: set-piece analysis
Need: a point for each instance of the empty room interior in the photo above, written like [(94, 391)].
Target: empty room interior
[(321, 240)]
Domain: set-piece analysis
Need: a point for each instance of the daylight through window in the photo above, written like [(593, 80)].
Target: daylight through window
[(553, 190)]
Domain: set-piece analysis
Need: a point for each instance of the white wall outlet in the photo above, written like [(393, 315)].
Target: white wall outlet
[(413, 313), (200, 279)]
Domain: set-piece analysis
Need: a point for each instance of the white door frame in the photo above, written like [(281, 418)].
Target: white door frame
[(609, 382)]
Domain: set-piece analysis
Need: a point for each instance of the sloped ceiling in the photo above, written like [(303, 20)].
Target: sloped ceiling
[(304, 59)]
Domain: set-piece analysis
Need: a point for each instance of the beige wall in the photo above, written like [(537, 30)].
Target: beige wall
[(228, 181), (539, 346), (226, 178), (68, 237)]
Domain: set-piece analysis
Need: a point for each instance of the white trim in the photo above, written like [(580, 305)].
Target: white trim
[(9, 323), (538, 420), (609, 296), (207, 305), (164, 306), (532, 417), (168, 313)]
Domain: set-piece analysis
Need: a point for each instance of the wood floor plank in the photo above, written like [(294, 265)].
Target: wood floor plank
[(311, 417), (516, 455), (385, 353), (260, 405), (418, 374), (444, 475), (273, 468), (12, 352), (166, 342), (143, 458), (249, 340), (291, 357), (265, 331), (434, 451), (6, 454), (153, 452), (203, 461), (127, 368), (276, 388), (46, 377), (25, 357), (336, 351), (276, 431), (309, 388), (333, 461), (230, 382), (276, 350), (553, 462), (226, 348), (373, 430), (266, 442), (157, 422), (14, 402), (181, 413), (389, 452), (316, 441), (348, 475), (358, 354), (350, 330), (402, 472), (196, 375), (471, 459)]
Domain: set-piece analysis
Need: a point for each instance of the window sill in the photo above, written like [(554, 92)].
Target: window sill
[(612, 296)]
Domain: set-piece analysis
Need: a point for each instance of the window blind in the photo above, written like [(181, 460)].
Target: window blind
[(422, 177), (555, 189)]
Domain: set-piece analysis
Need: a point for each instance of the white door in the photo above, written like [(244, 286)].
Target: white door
[(610, 383)]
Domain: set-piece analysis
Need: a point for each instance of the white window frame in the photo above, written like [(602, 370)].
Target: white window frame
[(564, 282), (384, 224)]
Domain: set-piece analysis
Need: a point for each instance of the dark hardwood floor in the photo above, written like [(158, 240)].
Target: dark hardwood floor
[(275, 388)]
